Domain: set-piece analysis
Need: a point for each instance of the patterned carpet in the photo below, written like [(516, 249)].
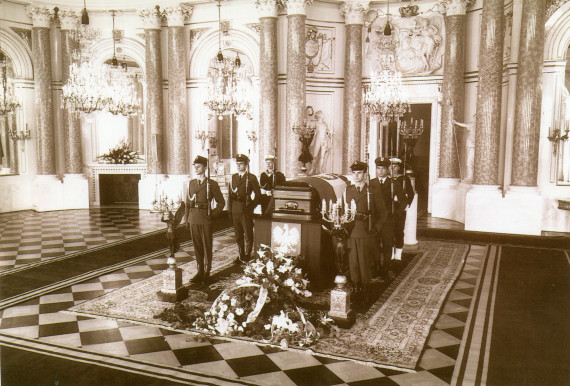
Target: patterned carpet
[(395, 329)]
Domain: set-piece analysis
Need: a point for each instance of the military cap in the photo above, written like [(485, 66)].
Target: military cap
[(242, 158), (395, 160), (270, 157), (358, 165), (201, 160), (381, 161)]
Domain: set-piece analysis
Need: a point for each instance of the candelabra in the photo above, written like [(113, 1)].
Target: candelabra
[(556, 137), (411, 128), (340, 214), (19, 135), (162, 204), (202, 136)]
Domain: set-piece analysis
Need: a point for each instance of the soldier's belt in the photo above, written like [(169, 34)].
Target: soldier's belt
[(198, 205)]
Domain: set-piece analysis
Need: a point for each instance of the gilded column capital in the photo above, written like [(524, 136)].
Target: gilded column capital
[(456, 7), (267, 8), (297, 7), (354, 10), (151, 18), (176, 15), (41, 16), (68, 18)]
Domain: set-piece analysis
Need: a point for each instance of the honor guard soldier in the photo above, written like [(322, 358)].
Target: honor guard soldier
[(403, 181), (385, 192), (200, 193), (360, 240), (241, 205), (268, 180)]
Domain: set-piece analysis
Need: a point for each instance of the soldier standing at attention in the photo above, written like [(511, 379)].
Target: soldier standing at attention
[(268, 180), (199, 194), (403, 181), (241, 206), (360, 240), (386, 193)]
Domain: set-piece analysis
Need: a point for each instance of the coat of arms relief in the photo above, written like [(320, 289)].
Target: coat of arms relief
[(415, 47)]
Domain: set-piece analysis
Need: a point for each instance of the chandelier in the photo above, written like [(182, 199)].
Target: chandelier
[(227, 93), (91, 87), (385, 97), (8, 101)]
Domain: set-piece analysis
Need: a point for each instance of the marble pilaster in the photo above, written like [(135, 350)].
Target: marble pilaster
[(528, 95), (41, 56), (177, 149), (73, 152), (353, 12), (296, 83), (154, 114), (489, 90), (453, 89), (268, 110)]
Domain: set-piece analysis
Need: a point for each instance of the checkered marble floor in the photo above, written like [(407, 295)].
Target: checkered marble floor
[(40, 320), (30, 237)]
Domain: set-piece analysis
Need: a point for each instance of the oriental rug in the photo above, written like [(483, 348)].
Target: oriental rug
[(391, 333)]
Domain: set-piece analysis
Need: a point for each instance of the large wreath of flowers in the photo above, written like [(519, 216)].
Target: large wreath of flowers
[(120, 154), (264, 304)]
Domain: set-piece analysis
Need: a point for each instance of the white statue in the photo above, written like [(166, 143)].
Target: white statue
[(320, 146), (469, 149)]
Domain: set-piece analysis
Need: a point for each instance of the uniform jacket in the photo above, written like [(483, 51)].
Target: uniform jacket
[(195, 196), (408, 189), (360, 226), (382, 193), (238, 194), (266, 181)]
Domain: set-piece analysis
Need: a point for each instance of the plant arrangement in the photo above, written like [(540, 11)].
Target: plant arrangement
[(120, 154), (265, 304)]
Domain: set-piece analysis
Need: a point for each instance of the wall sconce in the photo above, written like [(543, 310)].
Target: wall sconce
[(19, 135), (556, 137)]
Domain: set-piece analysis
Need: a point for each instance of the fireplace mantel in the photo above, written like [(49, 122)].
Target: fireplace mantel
[(96, 169)]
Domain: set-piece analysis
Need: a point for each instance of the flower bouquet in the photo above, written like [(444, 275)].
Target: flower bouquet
[(264, 304), (120, 154)]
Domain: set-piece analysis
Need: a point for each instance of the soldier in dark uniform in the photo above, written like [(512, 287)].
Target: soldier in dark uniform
[(403, 181), (241, 206), (199, 194), (385, 193), (360, 240), (268, 180)]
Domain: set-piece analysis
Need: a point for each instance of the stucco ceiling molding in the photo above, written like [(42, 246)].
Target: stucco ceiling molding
[(206, 48), (557, 37), (19, 53)]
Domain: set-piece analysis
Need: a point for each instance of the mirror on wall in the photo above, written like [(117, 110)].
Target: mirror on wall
[(9, 133)]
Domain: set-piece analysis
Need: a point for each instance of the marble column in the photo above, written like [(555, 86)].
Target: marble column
[(528, 95), (353, 11), (41, 56), (176, 138), (154, 111), (296, 83), (453, 88), (489, 90), (73, 152), (268, 111)]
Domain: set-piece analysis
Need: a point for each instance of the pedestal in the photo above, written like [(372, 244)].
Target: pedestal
[(340, 310), (172, 290), (47, 191), (75, 192), (519, 212), (444, 199)]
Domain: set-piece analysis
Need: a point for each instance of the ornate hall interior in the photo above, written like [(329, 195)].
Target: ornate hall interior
[(105, 105)]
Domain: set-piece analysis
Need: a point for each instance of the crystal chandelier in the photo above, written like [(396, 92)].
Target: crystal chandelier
[(8, 101), (385, 97), (93, 87), (226, 89)]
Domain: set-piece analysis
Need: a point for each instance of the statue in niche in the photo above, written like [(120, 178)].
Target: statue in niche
[(469, 149), (321, 146)]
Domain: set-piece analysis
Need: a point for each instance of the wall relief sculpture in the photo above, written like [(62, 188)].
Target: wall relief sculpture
[(418, 40), (319, 49)]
